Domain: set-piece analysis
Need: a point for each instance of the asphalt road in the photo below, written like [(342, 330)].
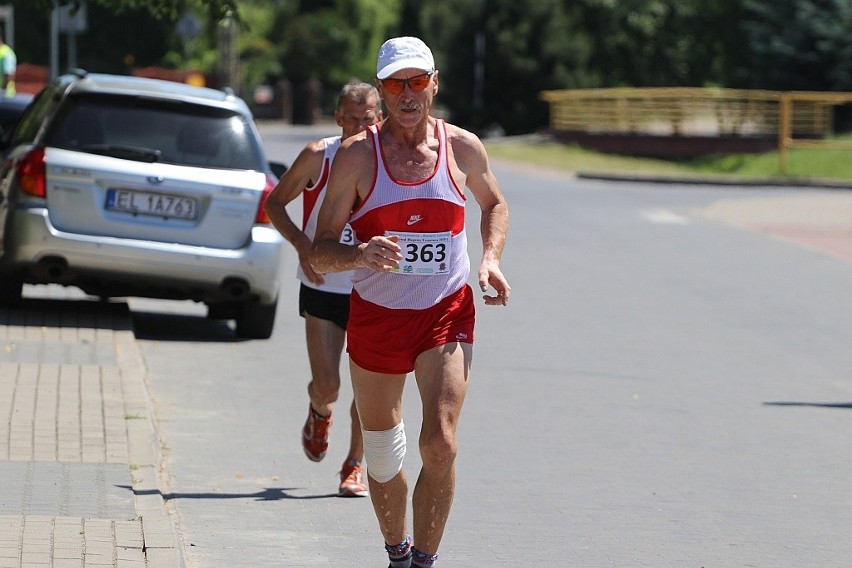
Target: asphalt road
[(668, 387)]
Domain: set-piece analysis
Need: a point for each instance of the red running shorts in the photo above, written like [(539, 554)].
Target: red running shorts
[(384, 340)]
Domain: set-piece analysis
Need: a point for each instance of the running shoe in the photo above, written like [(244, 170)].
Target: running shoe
[(353, 480), (315, 435)]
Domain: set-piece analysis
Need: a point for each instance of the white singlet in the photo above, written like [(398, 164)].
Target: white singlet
[(428, 216), (312, 198)]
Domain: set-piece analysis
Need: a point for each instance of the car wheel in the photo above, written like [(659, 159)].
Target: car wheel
[(11, 288), (256, 321)]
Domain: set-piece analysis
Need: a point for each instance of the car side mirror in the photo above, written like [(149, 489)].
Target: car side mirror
[(277, 168)]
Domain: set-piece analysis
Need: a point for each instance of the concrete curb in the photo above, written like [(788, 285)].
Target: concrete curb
[(162, 546), (716, 180)]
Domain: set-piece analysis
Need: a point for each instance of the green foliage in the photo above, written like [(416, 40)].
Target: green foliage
[(371, 23), (328, 43), (160, 9), (532, 46), (525, 47), (112, 47), (114, 40), (797, 45), (651, 43), (261, 56), (316, 45), (494, 56)]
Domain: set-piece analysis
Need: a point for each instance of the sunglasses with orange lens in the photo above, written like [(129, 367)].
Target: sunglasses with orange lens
[(416, 84)]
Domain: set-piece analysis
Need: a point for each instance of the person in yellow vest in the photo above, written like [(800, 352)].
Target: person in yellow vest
[(8, 64)]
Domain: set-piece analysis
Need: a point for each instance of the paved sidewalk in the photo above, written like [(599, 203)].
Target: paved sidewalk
[(78, 451), (822, 221)]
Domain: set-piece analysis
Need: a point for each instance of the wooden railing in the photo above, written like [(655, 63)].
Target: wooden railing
[(796, 118)]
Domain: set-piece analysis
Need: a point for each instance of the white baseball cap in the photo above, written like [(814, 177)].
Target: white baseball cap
[(403, 53)]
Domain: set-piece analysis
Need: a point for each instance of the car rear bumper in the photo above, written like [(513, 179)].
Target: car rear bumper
[(201, 273)]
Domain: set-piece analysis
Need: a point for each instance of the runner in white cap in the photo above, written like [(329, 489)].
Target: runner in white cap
[(401, 187)]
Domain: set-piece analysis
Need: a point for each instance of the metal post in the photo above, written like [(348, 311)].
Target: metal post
[(479, 72), (72, 21), (54, 41), (71, 42), (479, 60), (228, 62), (785, 134)]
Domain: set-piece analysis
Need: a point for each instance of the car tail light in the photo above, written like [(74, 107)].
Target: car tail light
[(31, 173), (262, 217)]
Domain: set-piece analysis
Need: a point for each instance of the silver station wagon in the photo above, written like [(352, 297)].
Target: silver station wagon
[(124, 186)]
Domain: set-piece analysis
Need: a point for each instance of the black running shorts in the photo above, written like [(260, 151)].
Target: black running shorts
[(324, 305)]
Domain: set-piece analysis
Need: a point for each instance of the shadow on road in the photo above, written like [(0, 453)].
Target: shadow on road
[(60, 313), (267, 494), (813, 404), (175, 327), (85, 313)]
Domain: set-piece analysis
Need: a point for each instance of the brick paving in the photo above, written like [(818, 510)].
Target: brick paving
[(78, 453)]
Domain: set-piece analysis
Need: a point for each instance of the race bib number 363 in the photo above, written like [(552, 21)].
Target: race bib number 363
[(423, 254)]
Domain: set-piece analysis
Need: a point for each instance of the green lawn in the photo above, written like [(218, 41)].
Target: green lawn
[(828, 164)]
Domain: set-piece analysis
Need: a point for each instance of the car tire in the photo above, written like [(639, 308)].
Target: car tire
[(256, 321), (11, 289)]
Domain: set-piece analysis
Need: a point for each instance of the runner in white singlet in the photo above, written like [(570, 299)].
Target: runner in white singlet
[(324, 298), (401, 186), (428, 218)]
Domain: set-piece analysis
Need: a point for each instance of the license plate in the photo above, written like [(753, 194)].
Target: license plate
[(147, 203)]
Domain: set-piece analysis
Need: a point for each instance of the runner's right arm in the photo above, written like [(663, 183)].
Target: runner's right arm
[(351, 178), (302, 173)]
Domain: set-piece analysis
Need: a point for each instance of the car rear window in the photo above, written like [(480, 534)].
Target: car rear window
[(154, 130)]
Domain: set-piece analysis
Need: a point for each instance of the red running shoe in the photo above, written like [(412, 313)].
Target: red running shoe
[(315, 435), (353, 480)]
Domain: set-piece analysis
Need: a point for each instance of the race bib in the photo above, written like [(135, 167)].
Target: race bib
[(347, 237), (423, 254)]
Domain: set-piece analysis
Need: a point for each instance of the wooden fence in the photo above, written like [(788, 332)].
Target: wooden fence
[(794, 118)]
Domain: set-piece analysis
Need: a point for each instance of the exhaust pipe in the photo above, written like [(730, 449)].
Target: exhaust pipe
[(51, 269), (235, 288)]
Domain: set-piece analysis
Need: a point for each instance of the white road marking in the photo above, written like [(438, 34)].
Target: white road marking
[(664, 216)]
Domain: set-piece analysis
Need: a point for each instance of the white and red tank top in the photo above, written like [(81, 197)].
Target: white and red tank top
[(312, 198), (428, 216)]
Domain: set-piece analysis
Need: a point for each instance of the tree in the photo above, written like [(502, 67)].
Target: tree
[(528, 46), (326, 43), (113, 42), (494, 56), (160, 9), (260, 56), (657, 43), (797, 45)]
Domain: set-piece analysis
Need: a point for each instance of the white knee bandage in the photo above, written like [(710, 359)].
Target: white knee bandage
[(384, 452)]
